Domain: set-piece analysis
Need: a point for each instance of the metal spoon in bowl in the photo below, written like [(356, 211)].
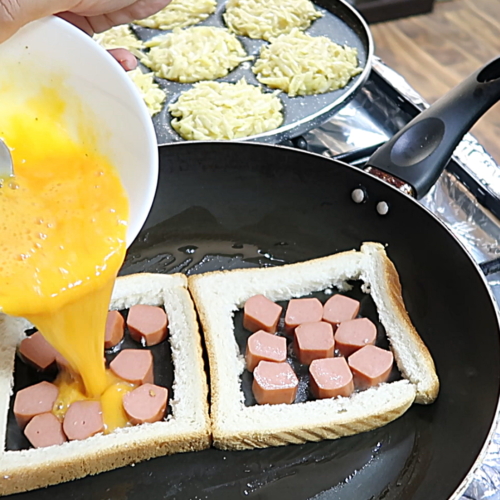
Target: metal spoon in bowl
[(6, 166)]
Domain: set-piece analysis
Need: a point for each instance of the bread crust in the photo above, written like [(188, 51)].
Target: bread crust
[(43, 474), (234, 433), (184, 431), (429, 393), (336, 428)]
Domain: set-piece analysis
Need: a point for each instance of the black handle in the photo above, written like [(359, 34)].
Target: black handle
[(419, 152)]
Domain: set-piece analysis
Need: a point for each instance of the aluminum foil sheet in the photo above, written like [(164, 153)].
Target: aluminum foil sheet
[(473, 225), (371, 118), (486, 479)]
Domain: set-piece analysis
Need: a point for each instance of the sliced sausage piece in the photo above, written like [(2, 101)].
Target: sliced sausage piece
[(274, 383), (134, 365), (260, 313), (147, 324), (340, 308), (302, 311), (83, 420), (115, 328), (146, 404), (355, 334), (37, 351), (371, 366), (263, 346), (314, 341), (45, 430), (330, 378), (34, 400)]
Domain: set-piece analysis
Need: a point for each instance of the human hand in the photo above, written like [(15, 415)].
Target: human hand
[(92, 16)]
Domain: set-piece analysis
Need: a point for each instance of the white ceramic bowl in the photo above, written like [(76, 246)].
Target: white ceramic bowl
[(49, 51)]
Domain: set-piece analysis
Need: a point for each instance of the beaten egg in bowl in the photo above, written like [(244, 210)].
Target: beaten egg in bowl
[(65, 214), (63, 233)]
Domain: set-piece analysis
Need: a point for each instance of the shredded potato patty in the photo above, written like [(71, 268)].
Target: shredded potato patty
[(300, 64), (153, 95), (120, 37), (179, 14), (213, 110), (263, 19), (194, 54)]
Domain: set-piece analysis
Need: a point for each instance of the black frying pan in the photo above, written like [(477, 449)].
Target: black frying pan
[(227, 205)]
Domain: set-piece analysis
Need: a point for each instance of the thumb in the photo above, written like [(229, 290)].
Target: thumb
[(16, 13)]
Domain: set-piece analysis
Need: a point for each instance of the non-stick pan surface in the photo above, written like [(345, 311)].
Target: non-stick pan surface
[(232, 205)]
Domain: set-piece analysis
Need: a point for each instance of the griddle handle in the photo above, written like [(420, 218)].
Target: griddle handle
[(419, 152)]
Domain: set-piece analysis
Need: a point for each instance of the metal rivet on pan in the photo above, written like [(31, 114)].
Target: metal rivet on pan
[(358, 196), (382, 208)]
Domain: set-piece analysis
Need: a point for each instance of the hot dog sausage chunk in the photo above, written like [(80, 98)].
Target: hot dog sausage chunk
[(274, 383), (37, 351), (314, 341), (355, 334), (45, 430), (83, 420), (147, 324), (115, 328), (302, 311), (263, 346), (371, 366), (340, 308), (134, 365), (260, 313), (146, 404), (330, 378), (34, 400)]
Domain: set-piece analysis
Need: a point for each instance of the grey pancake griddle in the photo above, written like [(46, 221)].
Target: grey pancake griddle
[(340, 22)]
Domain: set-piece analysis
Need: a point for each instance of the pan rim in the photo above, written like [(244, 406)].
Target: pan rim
[(467, 480)]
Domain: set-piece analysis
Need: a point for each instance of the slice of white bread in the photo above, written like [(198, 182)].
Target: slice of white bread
[(235, 426), (187, 429)]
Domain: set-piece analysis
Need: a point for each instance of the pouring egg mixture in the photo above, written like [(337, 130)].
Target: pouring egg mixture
[(62, 241)]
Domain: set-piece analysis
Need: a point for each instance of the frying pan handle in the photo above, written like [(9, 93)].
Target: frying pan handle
[(419, 152)]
